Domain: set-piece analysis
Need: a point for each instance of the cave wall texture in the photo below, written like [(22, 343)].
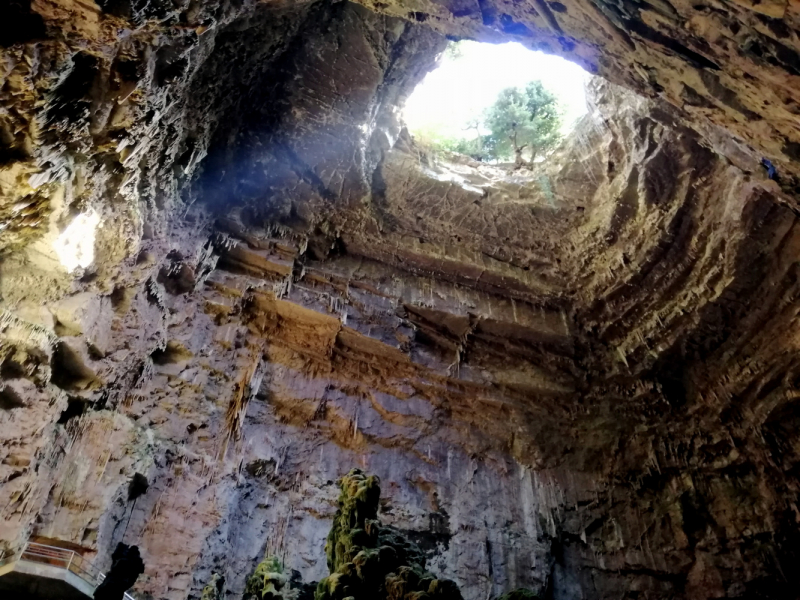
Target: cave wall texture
[(583, 380)]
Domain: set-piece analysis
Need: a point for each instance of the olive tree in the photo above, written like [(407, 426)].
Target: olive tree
[(523, 122)]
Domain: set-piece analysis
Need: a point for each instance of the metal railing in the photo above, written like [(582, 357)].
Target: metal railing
[(62, 558)]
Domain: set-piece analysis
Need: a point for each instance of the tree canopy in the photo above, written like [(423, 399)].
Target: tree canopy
[(521, 125), (524, 121)]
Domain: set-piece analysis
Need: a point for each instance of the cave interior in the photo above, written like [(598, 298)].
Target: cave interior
[(230, 275)]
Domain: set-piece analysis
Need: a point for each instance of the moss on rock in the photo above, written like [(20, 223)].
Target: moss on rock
[(520, 594), (215, 590), (369, 561), (269, 582)]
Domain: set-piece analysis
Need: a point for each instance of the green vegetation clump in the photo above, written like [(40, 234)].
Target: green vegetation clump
[(369, 561), (268, 582), (523, 125), (524, 122), (215, 590)]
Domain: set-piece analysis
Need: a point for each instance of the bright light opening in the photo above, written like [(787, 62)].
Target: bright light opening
[(75, 245), (470, 78)]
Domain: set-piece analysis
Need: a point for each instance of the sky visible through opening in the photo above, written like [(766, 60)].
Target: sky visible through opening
[(460, 89)]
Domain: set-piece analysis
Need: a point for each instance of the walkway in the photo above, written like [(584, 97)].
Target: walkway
[(42, 572)]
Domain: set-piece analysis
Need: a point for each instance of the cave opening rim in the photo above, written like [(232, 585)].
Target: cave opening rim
[(448, 102)]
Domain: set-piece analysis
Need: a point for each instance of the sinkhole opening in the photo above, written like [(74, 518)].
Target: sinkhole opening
[(497, 103)]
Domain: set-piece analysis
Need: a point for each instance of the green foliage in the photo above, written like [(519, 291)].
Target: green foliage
[(522, 124), (453, 51), (369, 561), (522, 120), (358, 508), (215, 590), (473, 147), (268, 582)]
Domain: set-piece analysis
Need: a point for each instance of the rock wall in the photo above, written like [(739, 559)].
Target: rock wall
[(731, 62), (226, 267)]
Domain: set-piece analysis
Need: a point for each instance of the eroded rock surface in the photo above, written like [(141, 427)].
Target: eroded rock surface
[(367, 560), (735, 63), (227, 267)]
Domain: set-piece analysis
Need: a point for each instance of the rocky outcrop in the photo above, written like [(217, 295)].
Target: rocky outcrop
[(229, 270), (734, 63), (369, 561), (215, 590), (125, 569), (268, 582)]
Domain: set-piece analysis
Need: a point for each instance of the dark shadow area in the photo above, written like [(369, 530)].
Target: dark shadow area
[(10, 399), (19, 24)]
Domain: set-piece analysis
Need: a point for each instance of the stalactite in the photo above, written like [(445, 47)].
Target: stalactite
[(246, 388)]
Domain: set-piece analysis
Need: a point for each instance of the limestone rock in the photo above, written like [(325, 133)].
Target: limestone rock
[(215, 590), (580, 380), (370, 561), (519, 594), (268, 582)]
